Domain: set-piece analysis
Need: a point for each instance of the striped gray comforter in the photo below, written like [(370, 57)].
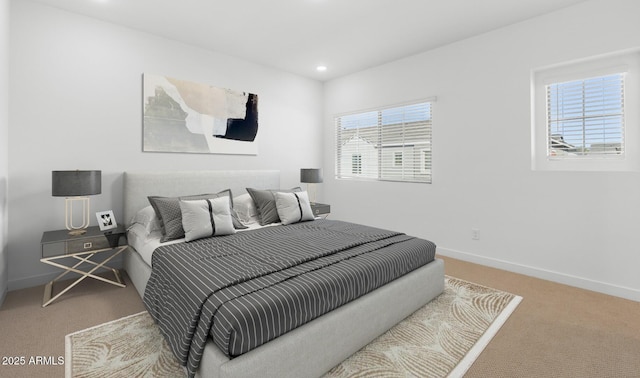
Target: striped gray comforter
[(251, 287)]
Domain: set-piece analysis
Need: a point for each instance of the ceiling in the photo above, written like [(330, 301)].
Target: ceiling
[(297, 35)]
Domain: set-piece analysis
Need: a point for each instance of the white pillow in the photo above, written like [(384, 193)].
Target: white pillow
[(207, 217), (293, 207), (245, 208), (148, 219)]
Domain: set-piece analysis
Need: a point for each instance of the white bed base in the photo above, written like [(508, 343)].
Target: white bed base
[(309, 350)]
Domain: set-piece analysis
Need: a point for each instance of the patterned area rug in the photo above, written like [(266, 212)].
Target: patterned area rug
[(128, 347), (441, 339)]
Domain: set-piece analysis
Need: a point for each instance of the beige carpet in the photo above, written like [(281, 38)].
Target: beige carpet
[(442, 338)]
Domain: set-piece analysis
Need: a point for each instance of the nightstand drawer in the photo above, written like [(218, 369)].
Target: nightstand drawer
[(74, 246), (81, 245), (320, 209)]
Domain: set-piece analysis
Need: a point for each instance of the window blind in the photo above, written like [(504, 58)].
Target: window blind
[(390, 144), (585, 118)]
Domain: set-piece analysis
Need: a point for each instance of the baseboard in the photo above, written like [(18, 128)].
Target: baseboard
[(41, 279), (3, 296), (550, 275)]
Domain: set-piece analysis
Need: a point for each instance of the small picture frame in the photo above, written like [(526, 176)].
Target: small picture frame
[(106, 220)]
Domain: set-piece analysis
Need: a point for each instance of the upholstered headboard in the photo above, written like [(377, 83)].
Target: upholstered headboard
[(139, 185)]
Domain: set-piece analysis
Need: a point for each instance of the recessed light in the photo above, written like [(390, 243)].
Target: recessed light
[(321, 68)]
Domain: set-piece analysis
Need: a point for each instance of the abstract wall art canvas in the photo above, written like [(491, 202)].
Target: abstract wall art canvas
[(183, 116)]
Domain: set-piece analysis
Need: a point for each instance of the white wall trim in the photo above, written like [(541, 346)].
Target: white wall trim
[(550, 275), (32, 281)]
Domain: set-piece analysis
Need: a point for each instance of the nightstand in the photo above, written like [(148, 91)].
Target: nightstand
[(320, 209), (59, 248)]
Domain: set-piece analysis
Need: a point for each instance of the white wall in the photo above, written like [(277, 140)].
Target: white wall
[(76, 100), (579, 228), (4, 127)]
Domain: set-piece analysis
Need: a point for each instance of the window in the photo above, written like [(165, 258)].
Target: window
[(425, 162), (586, 117), (581, 118), (397, 159), (389, 144), (356, 164)]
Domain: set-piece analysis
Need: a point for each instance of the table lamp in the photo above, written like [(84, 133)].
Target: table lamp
[(311, 176), (76, 186)]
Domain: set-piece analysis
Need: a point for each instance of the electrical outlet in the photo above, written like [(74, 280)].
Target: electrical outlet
[(475, 234)]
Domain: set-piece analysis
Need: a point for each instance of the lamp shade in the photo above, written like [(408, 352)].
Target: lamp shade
[(311, 175), (75, 183)]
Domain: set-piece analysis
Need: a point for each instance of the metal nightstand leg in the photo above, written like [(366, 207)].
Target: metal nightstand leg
[(48, 289)]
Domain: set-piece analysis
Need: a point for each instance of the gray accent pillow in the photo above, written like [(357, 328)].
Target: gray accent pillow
[(207, 217), (266, 203), (293, 207), (168, 211)]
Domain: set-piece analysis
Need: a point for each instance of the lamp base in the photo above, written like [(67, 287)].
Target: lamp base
[(77, 232), (311, 191), (68, 215)]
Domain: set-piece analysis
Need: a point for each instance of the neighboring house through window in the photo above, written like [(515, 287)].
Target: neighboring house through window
[(388, 144), (356, 164), (586, 117), (425, 163), (397, 159)]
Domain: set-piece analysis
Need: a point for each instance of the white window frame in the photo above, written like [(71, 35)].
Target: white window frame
[(627, 62)]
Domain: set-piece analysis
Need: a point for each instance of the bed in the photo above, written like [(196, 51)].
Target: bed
[(311, 349)]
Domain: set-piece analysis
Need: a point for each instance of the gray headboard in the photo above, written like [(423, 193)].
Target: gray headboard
[(139, 185)]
